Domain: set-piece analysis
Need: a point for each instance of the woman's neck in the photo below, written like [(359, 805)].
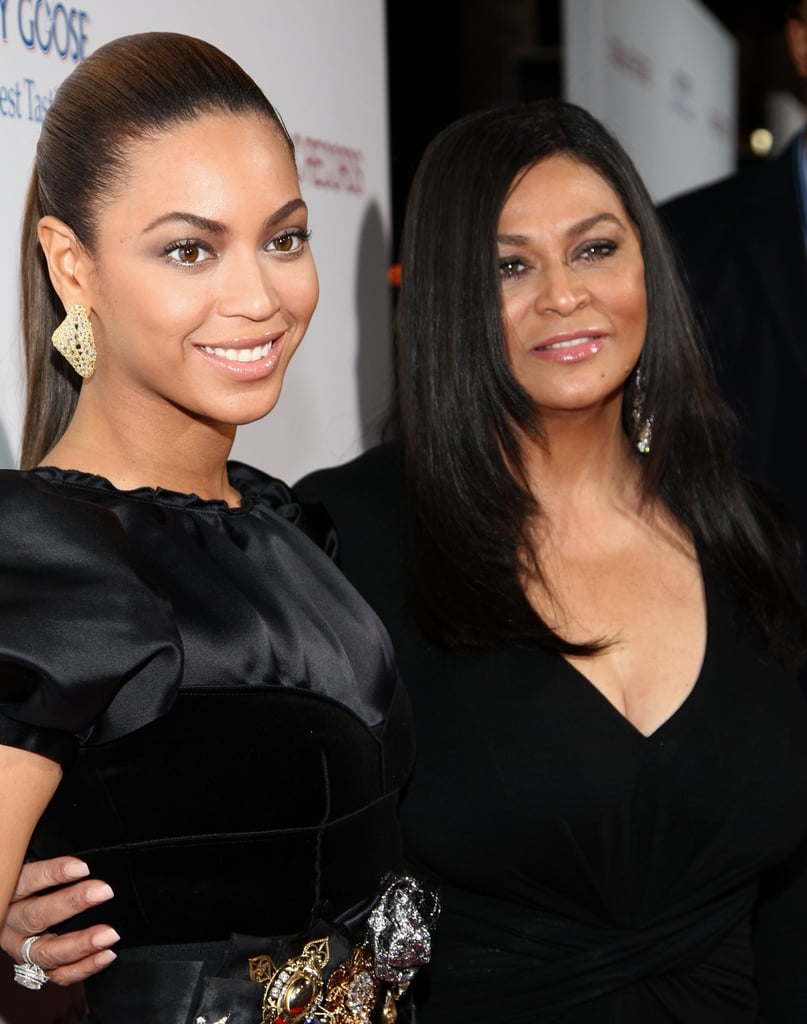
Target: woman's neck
[(166, 450), (585, 462)]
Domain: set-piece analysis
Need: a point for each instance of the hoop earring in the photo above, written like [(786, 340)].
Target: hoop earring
[(642, 425), (74, 339)]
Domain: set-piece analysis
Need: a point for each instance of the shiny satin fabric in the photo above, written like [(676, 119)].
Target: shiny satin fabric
[(112, 599), (225, 704)]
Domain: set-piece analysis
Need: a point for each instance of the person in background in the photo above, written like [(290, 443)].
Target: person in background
[(194, 702), (595, 614), (743, 246)]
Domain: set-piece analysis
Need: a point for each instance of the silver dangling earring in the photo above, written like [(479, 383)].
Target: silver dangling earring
[(74, 339), (642, 425)]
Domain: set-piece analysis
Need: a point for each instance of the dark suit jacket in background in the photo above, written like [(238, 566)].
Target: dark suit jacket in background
[(743, 254)]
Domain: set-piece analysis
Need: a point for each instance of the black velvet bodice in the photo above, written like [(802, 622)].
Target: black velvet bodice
[(225, 705)]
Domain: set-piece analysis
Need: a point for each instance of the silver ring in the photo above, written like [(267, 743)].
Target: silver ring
[(25, 952), (29, 974)]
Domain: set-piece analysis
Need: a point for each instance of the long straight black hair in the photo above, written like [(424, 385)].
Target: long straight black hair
[(462, 416)]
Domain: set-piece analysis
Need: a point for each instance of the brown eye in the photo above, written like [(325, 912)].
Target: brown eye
[(188, 254), (285, 243), (510, 267), (289, 243)]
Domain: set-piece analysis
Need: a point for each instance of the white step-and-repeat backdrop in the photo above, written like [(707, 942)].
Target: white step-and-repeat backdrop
[(662, 74), (323, 64)]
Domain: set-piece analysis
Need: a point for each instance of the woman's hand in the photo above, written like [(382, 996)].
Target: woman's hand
[(67, 958)]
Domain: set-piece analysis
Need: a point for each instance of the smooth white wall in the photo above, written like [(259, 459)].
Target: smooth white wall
[(323, 64), (662, 75)]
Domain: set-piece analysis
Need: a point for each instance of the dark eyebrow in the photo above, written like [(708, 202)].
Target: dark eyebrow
[(285, 211), (586, 225), (573, 232), (214, 227)]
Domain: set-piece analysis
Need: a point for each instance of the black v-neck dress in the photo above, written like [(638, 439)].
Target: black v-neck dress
[(591, 874)]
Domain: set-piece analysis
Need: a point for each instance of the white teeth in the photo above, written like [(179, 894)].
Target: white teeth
[(241, 355), (569, 344)]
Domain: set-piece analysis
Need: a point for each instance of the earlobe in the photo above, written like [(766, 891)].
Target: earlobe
[(66, 259)]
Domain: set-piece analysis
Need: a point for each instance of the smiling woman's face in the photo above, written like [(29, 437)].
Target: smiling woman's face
[(573, 289), (202, 282)]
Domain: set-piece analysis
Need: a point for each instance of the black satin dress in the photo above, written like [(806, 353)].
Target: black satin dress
[(590, 874), (226, 709)]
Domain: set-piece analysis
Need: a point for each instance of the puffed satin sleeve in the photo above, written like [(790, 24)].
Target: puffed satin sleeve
[(87, 652)]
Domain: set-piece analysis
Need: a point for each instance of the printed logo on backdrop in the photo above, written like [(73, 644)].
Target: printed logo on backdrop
[(683, 94), (687, 101), (33, 30), (328, 165), (630, 60)]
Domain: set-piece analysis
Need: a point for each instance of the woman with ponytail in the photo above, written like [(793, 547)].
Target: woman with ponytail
[(194, 703)]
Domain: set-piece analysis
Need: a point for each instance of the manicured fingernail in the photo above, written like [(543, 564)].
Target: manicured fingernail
[(98, 892), (107, 937), (76, 869), (105, 959)]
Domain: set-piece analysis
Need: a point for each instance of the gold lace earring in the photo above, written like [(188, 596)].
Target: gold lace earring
[(74, 339)]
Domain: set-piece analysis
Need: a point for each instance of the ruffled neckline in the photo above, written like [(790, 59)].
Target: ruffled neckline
[(255, 487)]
